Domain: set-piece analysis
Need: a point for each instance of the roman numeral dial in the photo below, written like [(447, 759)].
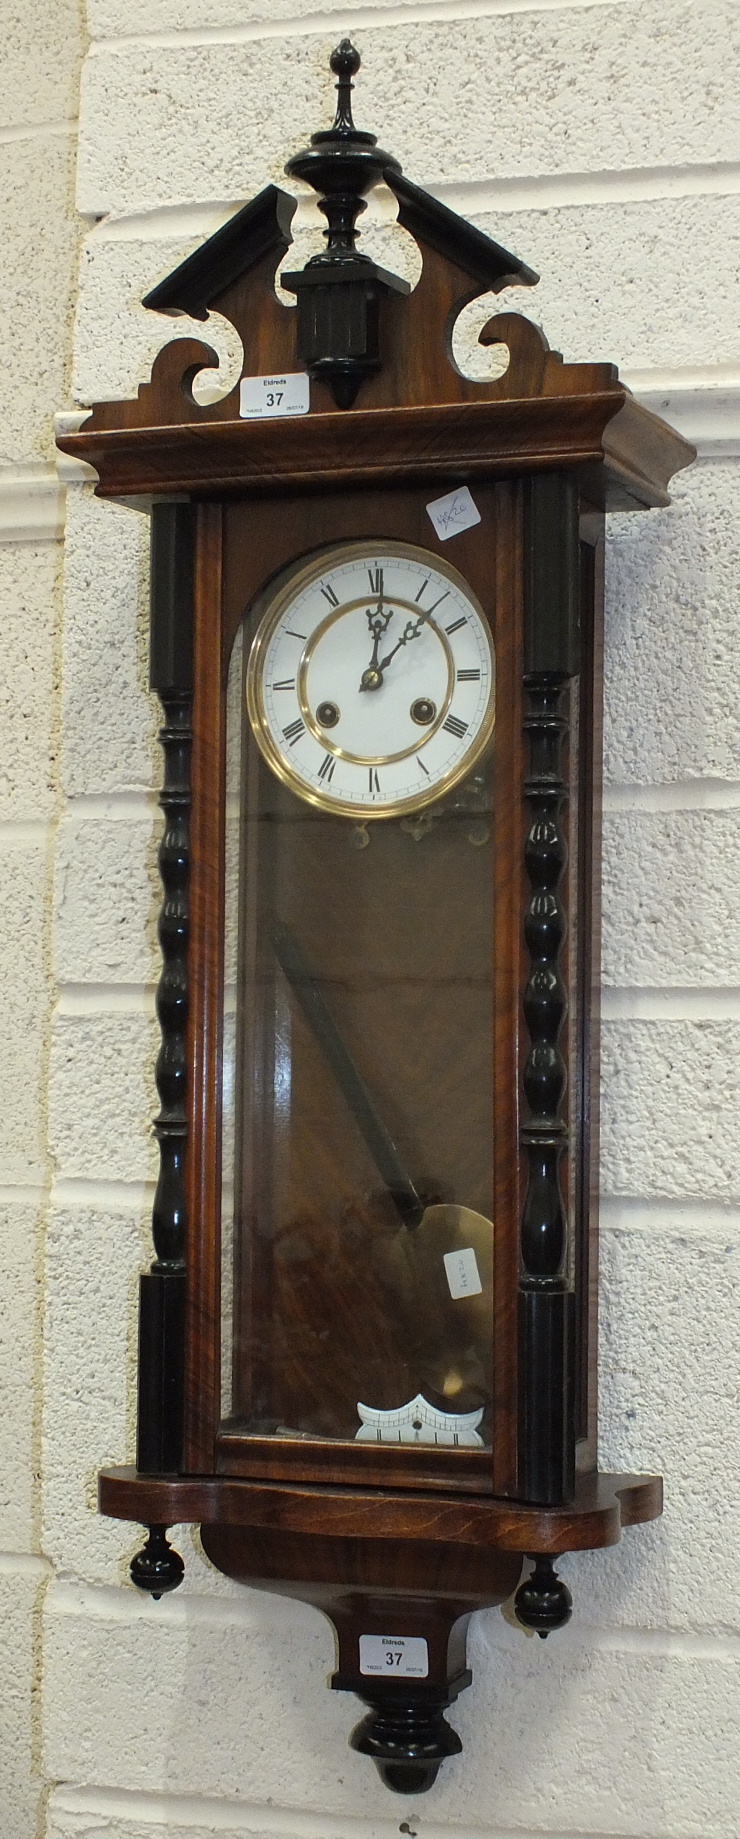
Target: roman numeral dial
[(370, 679)]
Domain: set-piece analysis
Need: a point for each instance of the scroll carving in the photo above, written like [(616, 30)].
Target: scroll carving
[(535, 370)]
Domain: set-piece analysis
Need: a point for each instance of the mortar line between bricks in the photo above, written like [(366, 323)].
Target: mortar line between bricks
[(31, 474), (631, 1213), (679, 795), (108, 1602), (330, 20), (625, 185), (37, 131), (74, 1596), (14, 1192), (680, 1002), (224, 1815), (106, 999), (706, 1221), (705, 794), (25, 829), (620, 1002), (513, 192), (116, 806), (125, 1196), (25, 1564)]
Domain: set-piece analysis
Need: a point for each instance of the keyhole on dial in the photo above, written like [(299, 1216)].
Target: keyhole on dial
[(423, 711), (327, 714)]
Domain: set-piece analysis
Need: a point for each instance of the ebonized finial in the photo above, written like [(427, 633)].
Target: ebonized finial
[(407, 1736), (340, 289), (543, 1602), (345, 63), (157, 1568)]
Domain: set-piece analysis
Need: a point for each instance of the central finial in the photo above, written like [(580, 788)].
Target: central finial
[(342, 163), (339, 290), (345, 63)]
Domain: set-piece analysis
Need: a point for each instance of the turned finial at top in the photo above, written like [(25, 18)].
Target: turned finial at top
[(345, 63)]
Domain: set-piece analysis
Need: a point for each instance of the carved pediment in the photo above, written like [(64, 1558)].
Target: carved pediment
[(366, 337)]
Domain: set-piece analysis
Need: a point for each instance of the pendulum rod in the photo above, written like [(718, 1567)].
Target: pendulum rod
[(391, 1169)]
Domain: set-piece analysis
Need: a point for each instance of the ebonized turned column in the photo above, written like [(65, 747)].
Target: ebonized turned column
[(162, 1288), (546, 1300)]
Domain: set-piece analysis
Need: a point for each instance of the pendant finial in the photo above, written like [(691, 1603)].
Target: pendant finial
[(345, 63)]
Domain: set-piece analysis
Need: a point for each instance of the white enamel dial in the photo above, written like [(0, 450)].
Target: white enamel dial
[(370, 681)]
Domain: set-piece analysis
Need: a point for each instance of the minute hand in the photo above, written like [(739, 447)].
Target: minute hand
[(411, 631)]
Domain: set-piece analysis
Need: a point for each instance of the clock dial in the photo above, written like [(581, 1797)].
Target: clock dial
[(370, 682)]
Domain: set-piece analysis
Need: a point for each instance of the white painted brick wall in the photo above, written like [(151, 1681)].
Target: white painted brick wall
[(28, 584), (38, 230), (594, 140), (41, 44), (572, 90), (672, 640), (109, 722)]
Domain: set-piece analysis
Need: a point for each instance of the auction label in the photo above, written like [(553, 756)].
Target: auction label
[(261, 396), (394, 1656)]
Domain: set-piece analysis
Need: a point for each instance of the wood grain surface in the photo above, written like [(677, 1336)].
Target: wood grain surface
[(269, 493), (603, 1505)]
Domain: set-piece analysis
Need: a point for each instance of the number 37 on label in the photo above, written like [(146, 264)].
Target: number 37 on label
[(396, 1656)]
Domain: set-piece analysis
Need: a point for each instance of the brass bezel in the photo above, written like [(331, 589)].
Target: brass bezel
[(299, 578)]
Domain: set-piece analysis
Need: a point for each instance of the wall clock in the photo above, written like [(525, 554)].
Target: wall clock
[(368, 1336)]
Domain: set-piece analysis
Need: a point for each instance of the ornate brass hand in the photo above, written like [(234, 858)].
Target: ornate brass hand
[(379, 622), (372, 678), (411, 630)]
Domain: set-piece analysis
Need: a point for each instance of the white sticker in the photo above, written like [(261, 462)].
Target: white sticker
[(463, 1275), (394, 1656), (455, 512), (261, 396)]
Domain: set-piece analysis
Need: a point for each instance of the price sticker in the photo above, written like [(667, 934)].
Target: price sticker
[(462, 1273), (394, 1656), (261, 397), (455, 512)]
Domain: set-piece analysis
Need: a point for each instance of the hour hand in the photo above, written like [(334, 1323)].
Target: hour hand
[(378, 622)]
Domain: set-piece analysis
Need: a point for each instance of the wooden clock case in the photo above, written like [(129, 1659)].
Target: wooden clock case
[(400, 1541)]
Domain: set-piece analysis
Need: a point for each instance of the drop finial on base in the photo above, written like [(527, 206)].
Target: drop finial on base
[(543, 1602), (407, 1737), (157, 1567)]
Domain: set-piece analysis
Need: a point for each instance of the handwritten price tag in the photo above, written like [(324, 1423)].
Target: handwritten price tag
[(394, 1656), (455, 512), (269, 396), (462, 1273)]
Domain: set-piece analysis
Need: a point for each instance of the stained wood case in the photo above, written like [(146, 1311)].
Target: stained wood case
[(409, 933), (379, 1040)]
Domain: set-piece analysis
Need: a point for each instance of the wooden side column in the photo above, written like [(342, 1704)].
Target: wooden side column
[(162, 1288), (546, 1299)]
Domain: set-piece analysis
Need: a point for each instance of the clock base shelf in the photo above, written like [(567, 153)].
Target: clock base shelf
[(397, 1575), (602, 1506)]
